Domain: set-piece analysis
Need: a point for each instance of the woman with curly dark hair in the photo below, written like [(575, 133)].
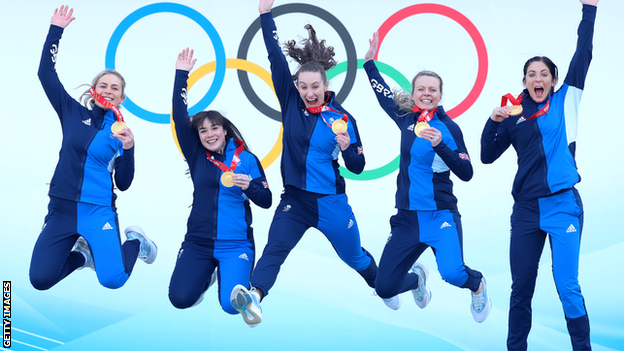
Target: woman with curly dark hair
[(316, 130)]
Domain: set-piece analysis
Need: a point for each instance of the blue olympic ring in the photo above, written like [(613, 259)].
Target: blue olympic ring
[(113, 44)]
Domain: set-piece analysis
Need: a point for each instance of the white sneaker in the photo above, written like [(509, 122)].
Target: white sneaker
[(481, 304), (148, 247), (247, 304), (422, 294), (393, 303), (82, 247)]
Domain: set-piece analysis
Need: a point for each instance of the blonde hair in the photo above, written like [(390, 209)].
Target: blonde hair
[(87, 100), (404, 99)]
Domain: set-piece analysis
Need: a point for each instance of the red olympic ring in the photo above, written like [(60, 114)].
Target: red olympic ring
[(467, 25)]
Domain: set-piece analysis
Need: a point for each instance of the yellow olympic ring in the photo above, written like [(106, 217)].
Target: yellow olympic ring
[(242, 65)]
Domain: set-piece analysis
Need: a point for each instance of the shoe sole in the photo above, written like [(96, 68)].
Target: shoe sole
[(241, 300)]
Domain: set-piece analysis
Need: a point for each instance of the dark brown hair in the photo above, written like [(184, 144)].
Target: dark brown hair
[(313, 55)]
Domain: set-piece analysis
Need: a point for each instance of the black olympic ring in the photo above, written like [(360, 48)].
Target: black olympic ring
[(243, 49)]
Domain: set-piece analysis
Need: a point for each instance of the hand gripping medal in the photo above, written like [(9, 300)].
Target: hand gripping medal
[(425, 116), (228, 172), (516, 108), (119, 125)]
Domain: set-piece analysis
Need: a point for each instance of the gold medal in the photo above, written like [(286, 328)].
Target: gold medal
[(339, 125), (419, 127), (515, 110), (118, 126), (226, 179)]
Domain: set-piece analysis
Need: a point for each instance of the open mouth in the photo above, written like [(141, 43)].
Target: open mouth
[(539, 92), (312, 102)]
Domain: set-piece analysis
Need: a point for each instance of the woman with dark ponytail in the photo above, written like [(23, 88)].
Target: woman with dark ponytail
[(541, 125), (226, 177), (316, 130)]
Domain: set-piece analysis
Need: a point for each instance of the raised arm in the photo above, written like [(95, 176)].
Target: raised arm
[(579, 65), (280, 72), (187, 137), (56, 93)]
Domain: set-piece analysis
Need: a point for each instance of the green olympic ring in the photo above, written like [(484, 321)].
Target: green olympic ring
[(405, 85)]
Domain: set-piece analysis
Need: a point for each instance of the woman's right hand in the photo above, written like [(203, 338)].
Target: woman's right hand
[(374, 46), (265, 6), (61, 18), (500, 113), (185, 60)]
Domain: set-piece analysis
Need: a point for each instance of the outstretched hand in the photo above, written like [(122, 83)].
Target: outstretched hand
[(374, 46), (265, 6), (589, 2), (61, 17), (185, 60)]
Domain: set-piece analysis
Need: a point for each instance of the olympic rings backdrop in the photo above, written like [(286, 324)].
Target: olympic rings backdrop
[(478, 48)]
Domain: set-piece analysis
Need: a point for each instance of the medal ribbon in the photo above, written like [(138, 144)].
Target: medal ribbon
[(240, 147), (320, 109), (509, 97), (106, 104), (520, 98), (425, 115)]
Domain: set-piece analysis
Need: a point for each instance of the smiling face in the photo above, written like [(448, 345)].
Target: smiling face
[(212, 136), (427, 92), (538, 80), (312, 87), (110, 87)]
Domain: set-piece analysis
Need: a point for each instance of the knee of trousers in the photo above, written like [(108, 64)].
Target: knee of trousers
[(114, 282), (454, 277), (41, 282), (572, 300), (226, 304), (385, 290), (182, 300)]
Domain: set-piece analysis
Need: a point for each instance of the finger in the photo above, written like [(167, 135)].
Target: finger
[(70, 12)]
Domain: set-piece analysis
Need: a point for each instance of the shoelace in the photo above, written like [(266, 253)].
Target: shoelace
[(478, 302)]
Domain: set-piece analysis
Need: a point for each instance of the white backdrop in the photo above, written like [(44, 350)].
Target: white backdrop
[(317, 302)]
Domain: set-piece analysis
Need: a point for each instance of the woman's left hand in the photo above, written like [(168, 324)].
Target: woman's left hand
[(431, 134), (241, 180), (343, 140), (589, 2), (126, 137)]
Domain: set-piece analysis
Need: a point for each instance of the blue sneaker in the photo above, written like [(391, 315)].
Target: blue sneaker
[(481, 304), (82, 247), (247, 304), (422, 294), (148, 247)]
